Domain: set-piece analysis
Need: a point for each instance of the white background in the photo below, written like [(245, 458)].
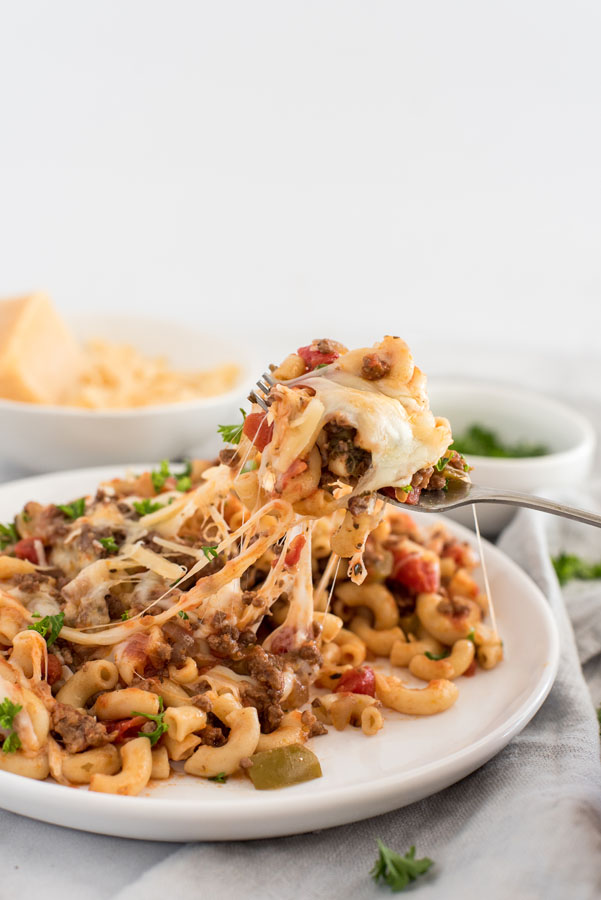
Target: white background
[(429, 169)]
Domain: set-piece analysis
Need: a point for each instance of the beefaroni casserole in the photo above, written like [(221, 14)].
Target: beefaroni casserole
[(220, 616)]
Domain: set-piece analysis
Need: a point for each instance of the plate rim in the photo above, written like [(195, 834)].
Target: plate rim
[(378, 795)]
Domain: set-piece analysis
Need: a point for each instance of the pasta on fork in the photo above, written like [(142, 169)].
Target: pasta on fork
[(201, 619)]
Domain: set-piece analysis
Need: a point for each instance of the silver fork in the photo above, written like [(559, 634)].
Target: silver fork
[(459, 492), (464, 493), (258, 396)]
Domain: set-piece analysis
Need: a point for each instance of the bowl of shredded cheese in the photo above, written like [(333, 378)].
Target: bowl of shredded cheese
[(107, 388)]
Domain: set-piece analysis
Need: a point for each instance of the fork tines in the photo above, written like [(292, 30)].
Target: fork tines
[(260, 395)]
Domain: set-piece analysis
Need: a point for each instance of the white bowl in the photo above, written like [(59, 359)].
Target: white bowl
[(37, 438), (515, 415)]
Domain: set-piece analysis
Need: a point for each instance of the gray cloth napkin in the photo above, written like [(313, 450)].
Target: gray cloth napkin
[(525, 825)]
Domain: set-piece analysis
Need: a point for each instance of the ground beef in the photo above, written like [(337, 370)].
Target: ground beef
[(215, 733), (224, 642), (309, 652), (78, 730), (359, 505), (313, 724), (31, 582), (340, 453), (201, 702), (44, 522), (266, 696), (180, 639), (374, 367), (229, 457)]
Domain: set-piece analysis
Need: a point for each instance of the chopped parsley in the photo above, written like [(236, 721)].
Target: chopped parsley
[(159, 476), (437, 656), (480, 441), (8, 711), (440, 465), (183, 614), (249, 466), (210, 551), (398, 871), (406, 488), (231, 434), (49, 627), (220, 778), (159, 720), (73, 510), (472, 636), (569, 567), (125, 616), (146, 506), (8, 535), (109, 544)]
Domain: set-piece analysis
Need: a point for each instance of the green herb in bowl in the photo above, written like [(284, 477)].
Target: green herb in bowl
[(480, 441)]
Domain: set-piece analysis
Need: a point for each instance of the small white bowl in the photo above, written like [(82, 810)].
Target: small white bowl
[(515, 415), (37, 438)]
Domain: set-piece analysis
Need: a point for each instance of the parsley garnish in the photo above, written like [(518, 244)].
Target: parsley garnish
[(568, 567), (73, 510), (398, 871), (249, 466), (210, 551), (231, 434), (406, 488), (440, 465), (159, 476), (472, 636), (159, 720), (49, 627), (109, 544), (125, 616), (220, 778), (437, 656), (146, 506), (25, 516), (8, 711), (321, 365), (479, 441), (8, 535), (183, 614)]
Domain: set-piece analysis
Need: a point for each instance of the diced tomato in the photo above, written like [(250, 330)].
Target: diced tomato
[(294, 469), (461, 554), (413, 496), (170, 484), (358, 681), (126, 729), (25, 549), (416, 571), (295, 549), (471, 669), (313, 358), (255, 431), (283, 641), (55, 670)]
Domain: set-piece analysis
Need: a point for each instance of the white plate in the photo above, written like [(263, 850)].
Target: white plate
[(362, 776)]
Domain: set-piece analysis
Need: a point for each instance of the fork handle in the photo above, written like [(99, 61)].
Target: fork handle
[(514, 498)]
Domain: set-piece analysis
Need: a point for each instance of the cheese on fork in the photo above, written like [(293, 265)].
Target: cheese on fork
[(39, 357)]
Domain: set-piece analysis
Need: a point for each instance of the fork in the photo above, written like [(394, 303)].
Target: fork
[(459, 492)]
